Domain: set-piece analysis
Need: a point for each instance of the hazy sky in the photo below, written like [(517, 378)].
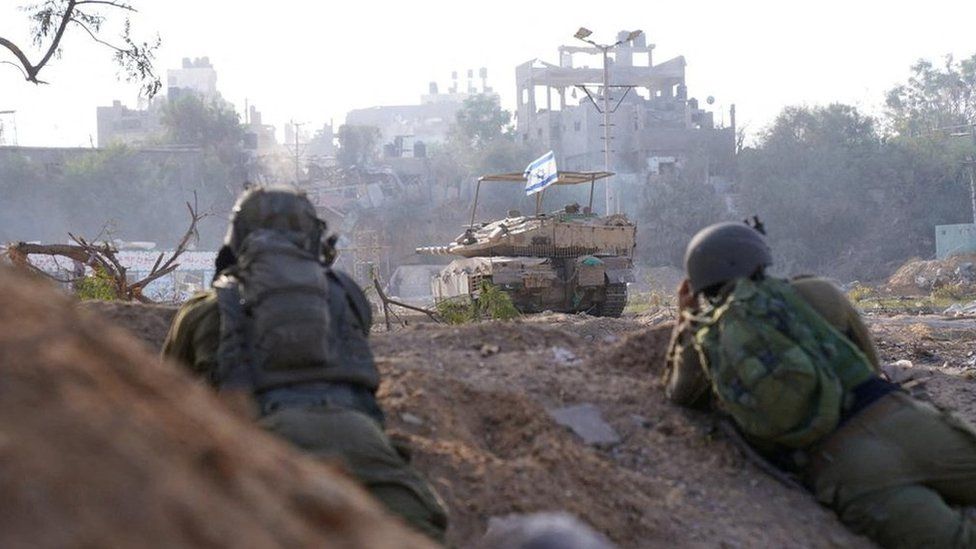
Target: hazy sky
[(312, 61)]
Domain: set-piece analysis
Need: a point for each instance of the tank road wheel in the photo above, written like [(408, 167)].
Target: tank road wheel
[(614, 301)]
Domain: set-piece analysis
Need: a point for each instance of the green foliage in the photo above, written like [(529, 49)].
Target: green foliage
[(481, 121), (949, 292), (839, 199), (671, 213), (98, 286), (457, 311), (213, 125), (495, 304), (358, 145), (859, 292), (934, 97), (491, 303)]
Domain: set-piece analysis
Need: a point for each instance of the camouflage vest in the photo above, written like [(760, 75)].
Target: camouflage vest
[(781, 371), (285, 320)]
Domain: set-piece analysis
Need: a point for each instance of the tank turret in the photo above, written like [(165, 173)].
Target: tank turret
[(570, 260)]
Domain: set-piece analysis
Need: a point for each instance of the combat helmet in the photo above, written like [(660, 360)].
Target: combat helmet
[(276, 207), (723, 252)]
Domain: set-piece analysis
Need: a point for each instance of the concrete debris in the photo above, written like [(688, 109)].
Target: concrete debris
[(903, 371), (587, 422), (565, 357), (961, 309)]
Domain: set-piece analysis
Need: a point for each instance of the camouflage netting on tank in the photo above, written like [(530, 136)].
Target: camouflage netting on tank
[(102, 445)]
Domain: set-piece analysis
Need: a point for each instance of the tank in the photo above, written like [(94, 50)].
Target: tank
[(569, 260)]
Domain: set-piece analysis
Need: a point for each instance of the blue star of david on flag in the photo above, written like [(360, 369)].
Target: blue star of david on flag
[(540, 173)]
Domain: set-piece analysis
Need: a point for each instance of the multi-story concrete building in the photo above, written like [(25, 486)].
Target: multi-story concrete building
[(119, 124), (657, 130), (138, 127), (195, 76), (426, 122)]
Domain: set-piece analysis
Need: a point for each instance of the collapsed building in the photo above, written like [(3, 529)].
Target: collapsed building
[(658, 131)]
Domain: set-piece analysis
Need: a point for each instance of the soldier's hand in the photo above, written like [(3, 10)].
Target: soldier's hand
[(687, 301)]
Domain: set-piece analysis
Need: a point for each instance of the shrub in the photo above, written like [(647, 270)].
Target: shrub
[(98, 286)]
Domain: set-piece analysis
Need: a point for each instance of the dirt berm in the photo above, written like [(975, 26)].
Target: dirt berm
[(102, 445), (474, 401)]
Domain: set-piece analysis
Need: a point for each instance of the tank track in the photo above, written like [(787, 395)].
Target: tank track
[(615, 302)]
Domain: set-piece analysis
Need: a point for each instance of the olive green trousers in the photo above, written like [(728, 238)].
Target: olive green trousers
[(898, 472), (359, 442)]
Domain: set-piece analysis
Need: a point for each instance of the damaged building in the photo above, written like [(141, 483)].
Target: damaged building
[(658, 130)]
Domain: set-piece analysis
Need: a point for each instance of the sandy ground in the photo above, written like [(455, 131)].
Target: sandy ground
[(473, 401)]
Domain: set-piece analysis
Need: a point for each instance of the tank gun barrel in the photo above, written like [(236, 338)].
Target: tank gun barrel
[(433, 250)]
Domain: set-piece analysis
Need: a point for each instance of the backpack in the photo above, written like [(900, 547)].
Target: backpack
[(775, 365), (275, 315)]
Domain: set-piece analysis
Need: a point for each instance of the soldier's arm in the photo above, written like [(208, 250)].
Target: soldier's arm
[(684, 379), (861, 336), (194, 335)]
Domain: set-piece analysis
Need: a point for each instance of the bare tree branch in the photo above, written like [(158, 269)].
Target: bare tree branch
[(135, 60), (119, 5)]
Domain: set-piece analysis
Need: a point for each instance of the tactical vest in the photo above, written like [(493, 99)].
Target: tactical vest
[(778, 368), (286, 320)]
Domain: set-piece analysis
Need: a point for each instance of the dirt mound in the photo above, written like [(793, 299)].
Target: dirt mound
[(103, 446), (920, 277), (481, 429), (150, 323)]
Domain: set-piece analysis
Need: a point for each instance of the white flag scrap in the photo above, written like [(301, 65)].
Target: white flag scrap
[(540, 173)]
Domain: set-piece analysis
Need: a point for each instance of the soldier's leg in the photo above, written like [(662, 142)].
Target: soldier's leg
[(908, 516), (364, 448), (893, 471), (949, 457)]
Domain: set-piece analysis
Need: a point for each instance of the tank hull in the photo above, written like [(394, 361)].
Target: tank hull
[(590, 284)]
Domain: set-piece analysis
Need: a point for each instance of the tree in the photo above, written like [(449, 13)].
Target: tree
[(671, 213), (51, 20), (813, 179), (212, 125), (481, 121), (934, 97), (358, 145)]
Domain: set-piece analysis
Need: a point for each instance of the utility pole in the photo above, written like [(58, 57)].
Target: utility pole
[(297, 151), (971, 163), (582, 34)]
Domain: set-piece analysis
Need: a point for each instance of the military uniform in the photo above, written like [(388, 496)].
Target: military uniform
[(283, 327), (335, 419), (893, 467)]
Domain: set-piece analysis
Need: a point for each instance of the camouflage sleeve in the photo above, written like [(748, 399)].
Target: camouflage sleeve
[(194, 335), (828, 300), (684, 378), (859, 333)]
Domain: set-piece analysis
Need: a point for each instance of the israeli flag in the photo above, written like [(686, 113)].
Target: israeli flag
[(540, 173)]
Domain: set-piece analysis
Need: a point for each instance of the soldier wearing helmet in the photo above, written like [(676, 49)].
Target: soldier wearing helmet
[(287, 333), (891, 467)]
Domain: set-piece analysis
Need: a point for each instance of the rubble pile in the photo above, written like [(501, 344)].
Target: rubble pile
[(102, 445), (921, 277)]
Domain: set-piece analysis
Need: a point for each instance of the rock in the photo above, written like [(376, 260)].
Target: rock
[(488, 349), (541, 531), (587, 422), (411, 419), (565, 357), (961, 309)]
